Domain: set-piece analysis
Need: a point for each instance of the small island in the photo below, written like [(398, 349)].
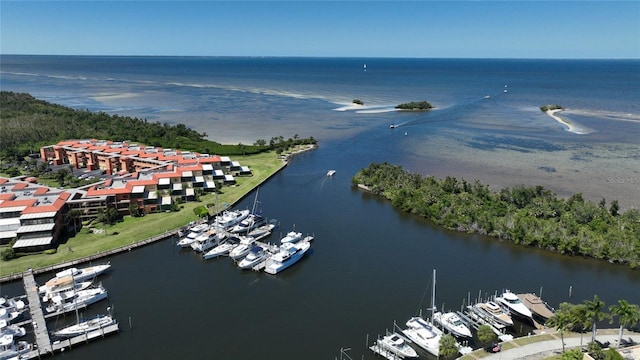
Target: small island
[(415, 106), (551, 107)]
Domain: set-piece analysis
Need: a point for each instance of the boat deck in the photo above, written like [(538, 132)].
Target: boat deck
[(384, 352), (536, 305)]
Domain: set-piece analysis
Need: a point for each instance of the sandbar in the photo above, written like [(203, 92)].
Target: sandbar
[(570, 127)]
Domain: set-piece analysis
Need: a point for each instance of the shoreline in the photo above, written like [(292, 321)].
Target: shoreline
[(285, 157)]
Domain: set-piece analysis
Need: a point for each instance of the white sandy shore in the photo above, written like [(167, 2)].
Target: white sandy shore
[(570, 127)]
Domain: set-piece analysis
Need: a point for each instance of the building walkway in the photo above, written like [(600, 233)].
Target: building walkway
[(547, 348)]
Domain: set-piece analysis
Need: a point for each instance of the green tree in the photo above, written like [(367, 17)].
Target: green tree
[(74, 216), (448, 346), (486, 335), (562, 320), (595, 313), (628, 314)]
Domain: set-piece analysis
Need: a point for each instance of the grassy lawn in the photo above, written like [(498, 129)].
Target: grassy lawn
[(131, 230)]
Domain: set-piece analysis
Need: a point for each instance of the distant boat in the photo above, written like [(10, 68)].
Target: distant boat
[(331, 172), (392, 126), (365, 67)]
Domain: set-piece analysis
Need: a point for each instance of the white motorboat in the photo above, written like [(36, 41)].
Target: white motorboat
[(240, 251), (287, 255), (291, 237), (511, 302), (423, 334), (492, 312), (14, 330), (262, 231), (397, 345), (230, 218), (79, 274), (65, 291), (222, 249), (256, 255), (10, 349), (193, 235), (207, 241), (251, 222), (451, 322), (11, 309), (85, 326), (331, 173), (81, 299)]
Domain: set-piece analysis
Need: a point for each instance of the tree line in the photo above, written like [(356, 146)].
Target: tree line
[(28, 123), (525, 215)]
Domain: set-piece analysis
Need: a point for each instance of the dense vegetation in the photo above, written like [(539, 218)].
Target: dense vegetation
[(531, 216), (550, 107), (28, 123), (415, 106)]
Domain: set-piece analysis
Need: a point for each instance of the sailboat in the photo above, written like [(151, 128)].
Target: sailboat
[(422, 332)]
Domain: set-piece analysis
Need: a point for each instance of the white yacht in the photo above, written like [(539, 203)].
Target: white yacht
[(11, 309), (240, 251), (511, 302), (253, 221), (451, 322), (222, 249), (291, 237), (262, 231), (65, 291), (14, 330), (85, 326), (230, 218), (10, 349), (492, 312), (287, 255), (423, 334), (396, 344), (78, 274), (256, 255), (193, 234), (81, 299), (207, 241)]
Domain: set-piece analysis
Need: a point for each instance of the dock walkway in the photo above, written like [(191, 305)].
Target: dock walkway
[(41, 333)]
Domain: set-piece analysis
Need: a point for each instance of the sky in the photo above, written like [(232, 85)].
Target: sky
[(424, 29)]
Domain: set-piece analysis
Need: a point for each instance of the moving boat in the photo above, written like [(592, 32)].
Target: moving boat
[(193, 235), (511, 302), (82, 298), (396, 344), (287, 255), (451, 322), (85, 326), (331, 173), (79, 274), (492, 312)]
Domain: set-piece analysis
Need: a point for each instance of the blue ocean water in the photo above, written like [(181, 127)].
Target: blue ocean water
[(486, 123)]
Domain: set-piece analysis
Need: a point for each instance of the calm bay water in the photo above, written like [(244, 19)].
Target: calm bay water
[(370, 265)]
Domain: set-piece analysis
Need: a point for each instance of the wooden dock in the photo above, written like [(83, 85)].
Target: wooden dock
[(41, 334)]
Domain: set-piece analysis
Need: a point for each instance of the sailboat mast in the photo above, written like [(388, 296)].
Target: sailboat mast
[(433, 295)]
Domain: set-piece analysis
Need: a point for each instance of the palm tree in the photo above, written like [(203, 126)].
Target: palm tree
[(628, 314), (581, 319), (594, 312), (562, 320), (448, 348)]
